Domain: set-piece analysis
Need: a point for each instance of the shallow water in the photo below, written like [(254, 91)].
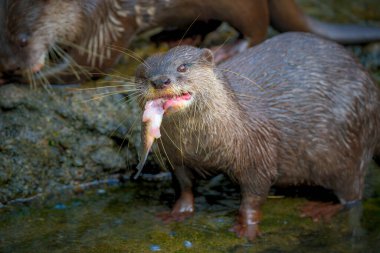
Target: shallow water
[(121, 218)]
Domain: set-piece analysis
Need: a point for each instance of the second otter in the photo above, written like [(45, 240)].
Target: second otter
[(66, 40), (296, 109)]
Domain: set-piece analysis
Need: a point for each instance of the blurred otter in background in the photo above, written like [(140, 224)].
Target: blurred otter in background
[(64, 40)]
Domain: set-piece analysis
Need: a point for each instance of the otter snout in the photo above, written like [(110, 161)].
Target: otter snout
[(160, 82)]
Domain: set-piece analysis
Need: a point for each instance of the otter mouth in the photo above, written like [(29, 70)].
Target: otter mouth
[(50, 64), (176, 102), (39, 70), (49, 71), (171, 103), (56, 64)]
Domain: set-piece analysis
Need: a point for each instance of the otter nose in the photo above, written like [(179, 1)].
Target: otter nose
[(160, 82)]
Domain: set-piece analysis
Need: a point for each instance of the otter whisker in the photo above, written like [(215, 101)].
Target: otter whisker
[(47, 87), (127, 134), (112, 75), (124, 77), (187, 30), (129, 53), (241, 95), (158, 155), (81, 48), (125, 82), (181, 147), (62, 68), (31, 79), (100, 96), (171, 140), (102, 87), (240, 75), (28, 77), (220, 46), (92, 55), (195, 123), (135, 95), (34, 84), (130, 130), (73, 64), (132, 97), (167, 157), (130, 92), (126, 137), (125, 98), (127, 86), (62, 54)]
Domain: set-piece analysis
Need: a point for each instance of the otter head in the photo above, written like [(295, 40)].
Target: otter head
[(179, 78), (57, 36), (30, 29)]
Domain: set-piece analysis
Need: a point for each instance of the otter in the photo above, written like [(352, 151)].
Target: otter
[(296, 109), (83, 38)]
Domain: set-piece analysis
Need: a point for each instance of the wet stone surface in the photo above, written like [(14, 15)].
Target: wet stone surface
[(62, 137)]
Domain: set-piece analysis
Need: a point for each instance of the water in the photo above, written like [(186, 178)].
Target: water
[(122, 218)]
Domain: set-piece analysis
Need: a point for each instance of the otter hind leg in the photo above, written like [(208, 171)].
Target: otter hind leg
[(347, 182)]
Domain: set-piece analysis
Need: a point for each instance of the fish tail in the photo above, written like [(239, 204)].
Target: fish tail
[(140, 166)]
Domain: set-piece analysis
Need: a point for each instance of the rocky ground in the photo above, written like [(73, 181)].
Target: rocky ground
[(62, 137)]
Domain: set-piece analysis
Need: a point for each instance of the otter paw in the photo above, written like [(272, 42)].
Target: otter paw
[(320, 210), (250, 231)]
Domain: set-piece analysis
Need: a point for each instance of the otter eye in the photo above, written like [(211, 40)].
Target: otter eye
[(182, 68), (22, 39)]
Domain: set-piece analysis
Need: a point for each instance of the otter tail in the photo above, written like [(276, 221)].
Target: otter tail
[(286, 16)]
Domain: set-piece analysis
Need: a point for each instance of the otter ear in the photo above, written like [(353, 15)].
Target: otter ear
[(207, 56)]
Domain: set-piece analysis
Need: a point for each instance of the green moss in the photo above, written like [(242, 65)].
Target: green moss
[(122, 219)]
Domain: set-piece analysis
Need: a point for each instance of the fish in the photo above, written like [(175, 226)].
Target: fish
[(153, 114), (151, 122)]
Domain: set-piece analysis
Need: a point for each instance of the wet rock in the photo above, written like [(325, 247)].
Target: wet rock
[(155, 248), (62, 137), (101, 191), (187, 244), (60, 206)]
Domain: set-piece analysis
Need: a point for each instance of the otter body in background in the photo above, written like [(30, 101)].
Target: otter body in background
[(74, 33), (296, 109)]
